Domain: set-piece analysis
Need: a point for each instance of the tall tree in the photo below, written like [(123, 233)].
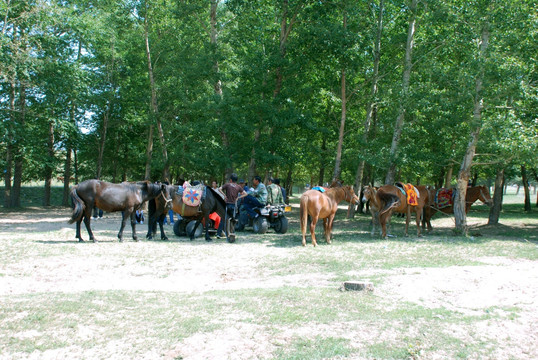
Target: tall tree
[(404, 98)]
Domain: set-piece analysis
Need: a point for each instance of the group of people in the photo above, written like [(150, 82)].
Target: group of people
[(239, 195)]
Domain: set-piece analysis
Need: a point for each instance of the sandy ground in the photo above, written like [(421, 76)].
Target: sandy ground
[(498, 284)]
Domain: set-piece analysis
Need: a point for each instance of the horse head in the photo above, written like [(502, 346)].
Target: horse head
[(484, 195), (350, 196), (368, 192)]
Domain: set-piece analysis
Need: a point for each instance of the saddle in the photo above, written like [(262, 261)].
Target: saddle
[(410, 192), (319, 188), (444, 198)]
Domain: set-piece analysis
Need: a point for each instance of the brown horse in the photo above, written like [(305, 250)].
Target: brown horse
[(473, 194), (126, 197), (211, 202), (369, 195), (391, 199), (323, 205)]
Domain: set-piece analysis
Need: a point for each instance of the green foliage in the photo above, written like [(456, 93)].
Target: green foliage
[(79, 63)]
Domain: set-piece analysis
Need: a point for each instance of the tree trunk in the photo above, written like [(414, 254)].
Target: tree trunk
[(252, 163), (67, 176), (373, 97), (535, 174), (229, 168), (338, 159), (525, 182), (495, 210), (154, 111), (48, 165), (465, 169), (149, 152), (102, 142), (18, 154), (10, 149), (398, 127)]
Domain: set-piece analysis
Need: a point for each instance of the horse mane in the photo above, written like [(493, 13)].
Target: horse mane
[(217, 196)]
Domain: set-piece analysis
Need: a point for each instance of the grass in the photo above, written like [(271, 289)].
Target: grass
[(263, 297)]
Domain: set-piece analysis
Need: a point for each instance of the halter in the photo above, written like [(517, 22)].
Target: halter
[(483, 196), (165, 199)]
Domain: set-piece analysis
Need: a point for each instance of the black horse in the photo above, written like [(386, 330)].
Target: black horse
[(126, 197), (210, 203)]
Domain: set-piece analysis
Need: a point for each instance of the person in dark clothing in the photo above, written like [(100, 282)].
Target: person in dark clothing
[(233, 192)]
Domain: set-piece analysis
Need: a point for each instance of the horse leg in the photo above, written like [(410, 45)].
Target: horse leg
[(196, 224), (329, 229), (303, 231), (125, 215), (133, 226), (407, 218), (313, 230), (78, 236), (87, 217), (206, 227), (161, 226), (418, 213), (383, 219)]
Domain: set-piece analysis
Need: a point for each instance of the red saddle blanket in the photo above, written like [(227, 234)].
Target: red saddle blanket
[(444, 198), (412, 196)]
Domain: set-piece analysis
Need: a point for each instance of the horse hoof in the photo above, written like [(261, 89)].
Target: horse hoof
[(80, 240), (121, 240), (231, 238), (164, 238), (94, 240), (208, 239)]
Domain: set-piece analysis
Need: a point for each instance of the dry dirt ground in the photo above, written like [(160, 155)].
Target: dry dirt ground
[(501, 283)]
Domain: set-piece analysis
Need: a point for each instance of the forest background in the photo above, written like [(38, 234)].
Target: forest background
[(370, 92)]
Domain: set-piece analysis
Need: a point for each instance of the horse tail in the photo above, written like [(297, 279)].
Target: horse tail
[(388, 201), (304, 213), (78, 206)]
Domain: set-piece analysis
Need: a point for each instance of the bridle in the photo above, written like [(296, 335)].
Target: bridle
[(165, 199)]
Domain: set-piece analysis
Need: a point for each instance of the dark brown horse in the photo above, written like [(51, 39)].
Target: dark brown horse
[(473, 194), (392, 199), (126, 197), (210, 203), (323, 205)]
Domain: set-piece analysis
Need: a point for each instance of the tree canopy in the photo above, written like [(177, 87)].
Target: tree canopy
[(127, 90)]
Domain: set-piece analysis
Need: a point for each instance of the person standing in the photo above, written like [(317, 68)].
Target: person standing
[(233, 192), (274, 193)]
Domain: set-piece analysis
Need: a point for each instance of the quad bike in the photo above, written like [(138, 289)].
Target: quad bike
[(271, 216)]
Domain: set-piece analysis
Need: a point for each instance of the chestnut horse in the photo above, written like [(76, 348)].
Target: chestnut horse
[(126, 197), (323, 205), (369, 195), (473, 194), (391, 199)]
